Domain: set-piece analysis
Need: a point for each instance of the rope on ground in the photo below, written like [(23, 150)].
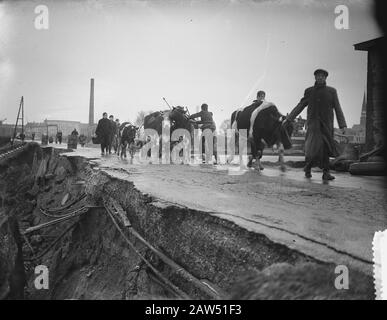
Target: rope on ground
[(28, 244), (177, 268), (52, 243), (53, 222), (70, 204), (42, 211), (45, 213), (160, 283), (154, 270)]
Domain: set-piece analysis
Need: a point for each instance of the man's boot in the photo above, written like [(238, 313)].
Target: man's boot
[(308, 173), (327, 176)]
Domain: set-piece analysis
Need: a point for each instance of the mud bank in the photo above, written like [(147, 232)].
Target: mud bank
[(88, 258)]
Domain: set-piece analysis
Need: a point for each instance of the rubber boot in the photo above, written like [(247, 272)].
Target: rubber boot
[(327, 176)]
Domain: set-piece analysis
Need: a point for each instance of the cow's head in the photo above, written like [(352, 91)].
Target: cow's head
[(179, 116), (287, 128)]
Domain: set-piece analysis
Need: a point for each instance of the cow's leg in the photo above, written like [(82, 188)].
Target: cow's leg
[(258, 164), (131, 151), (215, 148), (118, 146), (121, 154), (259, 153), (253, 152), (231, 142), (230, 155), (281, 152), (123, 151), (259, 156)]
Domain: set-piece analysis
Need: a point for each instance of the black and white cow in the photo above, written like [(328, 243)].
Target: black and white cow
[(263, 123)]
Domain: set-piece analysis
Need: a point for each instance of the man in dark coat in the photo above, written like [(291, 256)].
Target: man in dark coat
[(319, 143), (207, 122), (112, 132), (206, 119), (116, 141), (59, 136), (104, 132)]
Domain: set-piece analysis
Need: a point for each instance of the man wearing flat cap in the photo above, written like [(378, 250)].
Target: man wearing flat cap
[(319, 143)]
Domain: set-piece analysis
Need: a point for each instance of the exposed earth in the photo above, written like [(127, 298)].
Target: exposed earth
[(246, 234)]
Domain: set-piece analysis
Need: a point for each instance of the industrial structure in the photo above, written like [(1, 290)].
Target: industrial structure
[(374, 121), (91, 105), (51, 127)]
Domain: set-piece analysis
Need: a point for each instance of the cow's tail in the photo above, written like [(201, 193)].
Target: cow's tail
[(234, 118), (234, 125)]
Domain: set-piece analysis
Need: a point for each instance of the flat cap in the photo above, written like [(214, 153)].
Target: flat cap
[(321, 71)]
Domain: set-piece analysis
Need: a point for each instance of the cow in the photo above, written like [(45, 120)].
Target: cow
[(155, 120), (127, 141), (263, 123), (178, 117)]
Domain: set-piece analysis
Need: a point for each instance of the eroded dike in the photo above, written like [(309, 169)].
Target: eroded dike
[(102, 235)]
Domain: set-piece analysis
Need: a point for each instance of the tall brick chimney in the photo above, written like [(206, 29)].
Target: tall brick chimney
[(91, 107)]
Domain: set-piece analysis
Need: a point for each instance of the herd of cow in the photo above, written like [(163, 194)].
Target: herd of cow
[(262, 121)]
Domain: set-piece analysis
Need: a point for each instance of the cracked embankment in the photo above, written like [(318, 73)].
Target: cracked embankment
[(210, 247), (93, 262)]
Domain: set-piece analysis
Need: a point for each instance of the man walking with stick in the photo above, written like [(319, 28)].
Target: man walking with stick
[(319, 143)]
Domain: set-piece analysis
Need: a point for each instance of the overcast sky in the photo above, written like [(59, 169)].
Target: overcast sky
[(191, 52)]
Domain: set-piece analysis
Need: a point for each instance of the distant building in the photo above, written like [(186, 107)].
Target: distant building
[(39, 128), (65, 126), (374, 108), (358, 131), (7, 130), (51, 127), (363, 117)]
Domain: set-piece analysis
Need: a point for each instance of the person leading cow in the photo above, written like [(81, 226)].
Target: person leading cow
[(207, 122), (319, 143), (262, 121)]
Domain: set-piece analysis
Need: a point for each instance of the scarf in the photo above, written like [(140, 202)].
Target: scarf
[(320, 85)]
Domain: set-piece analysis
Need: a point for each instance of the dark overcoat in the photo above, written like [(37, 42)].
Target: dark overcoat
[(104, 128), (322, 101), (205, 119)]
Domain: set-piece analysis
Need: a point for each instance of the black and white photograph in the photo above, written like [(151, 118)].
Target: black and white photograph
[(190, 155)]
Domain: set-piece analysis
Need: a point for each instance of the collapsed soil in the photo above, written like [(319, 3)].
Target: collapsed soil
[(92, 261)]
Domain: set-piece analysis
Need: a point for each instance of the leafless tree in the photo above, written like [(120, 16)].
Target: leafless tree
[(140, 118), (226, 124)]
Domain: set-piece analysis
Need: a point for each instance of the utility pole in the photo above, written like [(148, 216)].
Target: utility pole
[(91, 104), (21, 108)]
